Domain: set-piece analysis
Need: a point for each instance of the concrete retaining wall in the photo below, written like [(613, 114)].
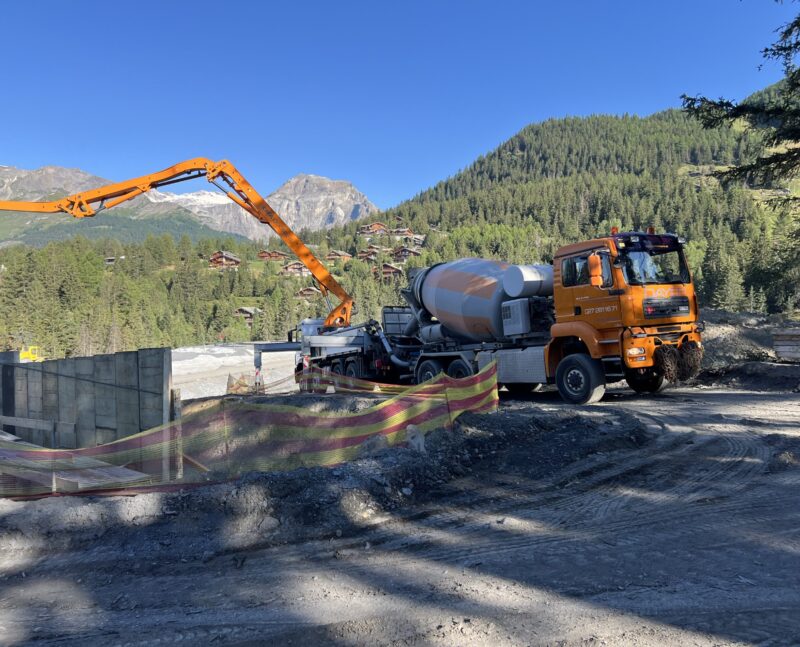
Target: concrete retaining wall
[(93, 400)]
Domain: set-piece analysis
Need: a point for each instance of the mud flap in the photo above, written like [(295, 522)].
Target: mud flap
[(667, 360), (678, 364), (690, 360)]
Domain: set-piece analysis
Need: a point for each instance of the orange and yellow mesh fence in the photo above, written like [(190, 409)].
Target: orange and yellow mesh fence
[(232, 436)]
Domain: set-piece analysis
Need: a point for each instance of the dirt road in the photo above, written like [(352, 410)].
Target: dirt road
[(686, 532)]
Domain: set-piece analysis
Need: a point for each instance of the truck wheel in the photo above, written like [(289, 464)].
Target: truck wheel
[(337, 368), (314, 385), (459, 369), (580, 379), (429, 369), (648, 382), (351, 370)]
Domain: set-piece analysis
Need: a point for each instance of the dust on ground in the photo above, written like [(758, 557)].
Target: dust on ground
[(670, 519)]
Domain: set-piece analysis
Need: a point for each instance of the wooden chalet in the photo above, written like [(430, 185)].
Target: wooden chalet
[(248, 314), (368, 255), (295, 268), (388, 272), (338, 255), (224, 260), (306, 293), (402, 254), (268, 255), (401, 232), (373, 229)]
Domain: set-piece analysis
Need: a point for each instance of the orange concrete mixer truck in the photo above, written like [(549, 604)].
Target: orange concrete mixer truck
[(617, 308)]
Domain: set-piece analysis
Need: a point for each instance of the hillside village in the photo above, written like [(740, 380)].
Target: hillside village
[(386, 262)]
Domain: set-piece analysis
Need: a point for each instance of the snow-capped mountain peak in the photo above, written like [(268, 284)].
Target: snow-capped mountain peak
[(304, 201)]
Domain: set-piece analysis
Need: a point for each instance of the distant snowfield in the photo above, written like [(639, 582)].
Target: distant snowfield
[(202, 371)]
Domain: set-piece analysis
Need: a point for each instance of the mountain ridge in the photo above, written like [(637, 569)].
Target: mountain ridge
[(305, 201)]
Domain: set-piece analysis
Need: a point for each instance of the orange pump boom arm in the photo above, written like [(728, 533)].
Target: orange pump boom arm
[(90, 203)]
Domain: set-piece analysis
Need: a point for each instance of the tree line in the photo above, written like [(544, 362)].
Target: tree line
[(71, 299), (553, 183)]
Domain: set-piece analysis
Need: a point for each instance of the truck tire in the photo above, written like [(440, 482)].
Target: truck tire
[(351, 370), (649, 382), (580, 379), (337, 368), (428, 369), (459, 369)]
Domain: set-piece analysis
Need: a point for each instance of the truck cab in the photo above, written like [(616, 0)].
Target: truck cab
[(625, 308)]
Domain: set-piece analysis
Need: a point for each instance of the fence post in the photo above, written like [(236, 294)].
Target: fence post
[(176, 417), (165, 436), (226, 434)]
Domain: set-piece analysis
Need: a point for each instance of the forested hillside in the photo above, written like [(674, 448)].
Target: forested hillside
[(568, 179), (553, 183), (68, 300)]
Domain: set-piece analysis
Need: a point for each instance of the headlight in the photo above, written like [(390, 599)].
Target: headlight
[(636, 350)]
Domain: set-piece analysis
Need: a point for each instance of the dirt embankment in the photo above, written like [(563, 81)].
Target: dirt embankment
[(739, 352), (755, 376), (734, 337), (262, 509)]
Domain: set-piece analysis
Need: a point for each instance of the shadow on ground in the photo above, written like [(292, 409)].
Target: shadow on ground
[(536, 524)]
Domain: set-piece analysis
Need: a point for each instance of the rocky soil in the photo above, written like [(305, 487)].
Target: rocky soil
[(671, 519), (733, 337)]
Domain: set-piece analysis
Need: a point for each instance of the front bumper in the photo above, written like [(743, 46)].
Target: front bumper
[(640, 344)]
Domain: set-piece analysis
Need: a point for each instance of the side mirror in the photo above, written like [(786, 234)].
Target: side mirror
[(595, 271)]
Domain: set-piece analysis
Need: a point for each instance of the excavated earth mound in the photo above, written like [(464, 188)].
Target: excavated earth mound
[(755, 376), (732, 337), (263, 509)]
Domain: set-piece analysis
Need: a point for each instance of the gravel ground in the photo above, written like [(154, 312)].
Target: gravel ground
[(734, 337), (755, 376), (672, 519)]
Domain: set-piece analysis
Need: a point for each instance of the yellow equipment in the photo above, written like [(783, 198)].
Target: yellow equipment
[(30, 354)]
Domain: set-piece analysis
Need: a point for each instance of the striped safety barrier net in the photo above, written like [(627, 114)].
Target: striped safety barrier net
[(230, 436)]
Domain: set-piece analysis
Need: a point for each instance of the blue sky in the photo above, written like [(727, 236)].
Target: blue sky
[(393, 96)]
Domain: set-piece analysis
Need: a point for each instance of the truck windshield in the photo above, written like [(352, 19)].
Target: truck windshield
[(654, 266)]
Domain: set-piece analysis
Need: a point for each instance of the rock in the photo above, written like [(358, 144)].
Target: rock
[(373, 445), (267, 524), (416, 439)]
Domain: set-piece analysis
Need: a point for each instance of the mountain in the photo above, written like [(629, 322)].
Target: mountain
[(305, 202), (46, 183)]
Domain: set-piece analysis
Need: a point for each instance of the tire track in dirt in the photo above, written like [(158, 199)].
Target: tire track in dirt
[(744, 458), (739, 458)]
